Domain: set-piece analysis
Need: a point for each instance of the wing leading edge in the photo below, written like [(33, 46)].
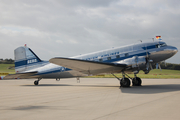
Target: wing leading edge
[(88, 67)]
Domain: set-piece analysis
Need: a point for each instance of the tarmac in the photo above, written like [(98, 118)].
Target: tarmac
[(91, 99)]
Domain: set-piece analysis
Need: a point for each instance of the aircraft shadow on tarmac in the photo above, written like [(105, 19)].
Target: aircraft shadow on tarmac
[(145, 89), (41, 85), (151, 89), (38, 107)]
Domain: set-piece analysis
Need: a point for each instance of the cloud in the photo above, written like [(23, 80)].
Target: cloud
[(71, 27)]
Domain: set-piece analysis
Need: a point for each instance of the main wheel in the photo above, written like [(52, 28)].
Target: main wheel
[(136, 81), (36, 82), (125, 82)]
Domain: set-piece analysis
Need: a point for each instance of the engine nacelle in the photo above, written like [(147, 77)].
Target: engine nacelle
[(135, 63)]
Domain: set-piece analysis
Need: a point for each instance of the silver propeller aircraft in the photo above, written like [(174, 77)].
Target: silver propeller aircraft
[(133, 58)]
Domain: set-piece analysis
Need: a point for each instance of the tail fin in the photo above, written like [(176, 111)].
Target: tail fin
[(25, 59)]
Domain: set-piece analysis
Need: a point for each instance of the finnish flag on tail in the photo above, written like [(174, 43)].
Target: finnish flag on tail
[(158, 37)]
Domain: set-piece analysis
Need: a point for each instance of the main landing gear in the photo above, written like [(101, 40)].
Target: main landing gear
[(136, 81), (37, 81), (125, 82)]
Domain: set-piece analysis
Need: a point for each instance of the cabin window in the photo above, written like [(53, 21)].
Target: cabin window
[(127, 54), (116, 53), (117, 56), (112, 54), (108, 58), (100, 60)]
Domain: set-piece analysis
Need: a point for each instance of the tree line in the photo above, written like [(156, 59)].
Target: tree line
[(170, 66), (6, 61)]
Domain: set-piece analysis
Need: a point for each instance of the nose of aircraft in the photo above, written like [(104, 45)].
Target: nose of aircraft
[(171, 51), (174, 50)]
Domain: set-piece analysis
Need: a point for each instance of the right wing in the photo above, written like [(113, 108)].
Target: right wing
[(88, 67)]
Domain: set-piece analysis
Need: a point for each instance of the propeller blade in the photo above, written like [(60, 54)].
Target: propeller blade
[(150, 66), (165, 64), (147, 66), (148, 60), (157, 65), (147, 53)]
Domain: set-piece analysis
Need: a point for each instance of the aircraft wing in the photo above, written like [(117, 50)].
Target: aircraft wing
[(20, 75), (88, 67)]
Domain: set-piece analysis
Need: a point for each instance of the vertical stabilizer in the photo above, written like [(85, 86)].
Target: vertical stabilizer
[(25, 59)]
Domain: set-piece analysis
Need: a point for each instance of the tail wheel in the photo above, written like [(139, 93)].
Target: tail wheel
[(125, 82), (36, 82), (136, 81)]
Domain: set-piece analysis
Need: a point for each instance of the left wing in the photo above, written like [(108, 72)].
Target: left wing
[(88, 67), (20, 75)]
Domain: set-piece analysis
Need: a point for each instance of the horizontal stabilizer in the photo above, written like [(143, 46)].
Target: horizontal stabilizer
[(20, 75), (88, 67)]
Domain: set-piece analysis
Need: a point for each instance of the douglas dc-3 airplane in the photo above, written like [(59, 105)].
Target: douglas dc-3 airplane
[(136, 57)]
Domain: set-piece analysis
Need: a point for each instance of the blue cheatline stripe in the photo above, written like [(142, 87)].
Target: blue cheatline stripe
[(27, 62), (149, 47), (53, 71), (20, 63), (123, 58), (38, 63)]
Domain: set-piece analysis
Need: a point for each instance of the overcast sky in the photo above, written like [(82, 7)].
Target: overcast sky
[(64, 28)]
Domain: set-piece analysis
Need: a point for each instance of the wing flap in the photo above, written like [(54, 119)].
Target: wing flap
[(20, 75), (88, 67)]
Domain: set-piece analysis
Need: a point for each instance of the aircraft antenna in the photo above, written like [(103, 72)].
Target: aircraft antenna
[(153, 39), (140, 41)]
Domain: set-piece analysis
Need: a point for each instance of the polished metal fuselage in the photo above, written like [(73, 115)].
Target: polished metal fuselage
[(155, 52)]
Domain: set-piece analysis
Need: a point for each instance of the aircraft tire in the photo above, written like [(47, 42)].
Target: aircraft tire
[(36, 82), (125, 82), (136, 81)]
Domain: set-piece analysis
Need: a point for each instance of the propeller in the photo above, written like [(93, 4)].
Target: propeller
[(149, 65), (149, 61)]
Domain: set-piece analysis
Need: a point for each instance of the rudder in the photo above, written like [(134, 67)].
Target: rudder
[(25, 59)]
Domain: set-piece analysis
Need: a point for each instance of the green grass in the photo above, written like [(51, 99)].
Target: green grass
[(4, 69), (156, 74)]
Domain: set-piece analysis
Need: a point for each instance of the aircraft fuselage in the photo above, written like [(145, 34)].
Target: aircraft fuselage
[(137, 57)]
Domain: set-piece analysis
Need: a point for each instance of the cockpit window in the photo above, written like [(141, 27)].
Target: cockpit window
[(161, 45), (164, 44)]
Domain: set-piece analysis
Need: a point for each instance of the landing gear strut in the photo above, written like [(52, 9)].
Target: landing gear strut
[(37, 81), (124, 82)]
